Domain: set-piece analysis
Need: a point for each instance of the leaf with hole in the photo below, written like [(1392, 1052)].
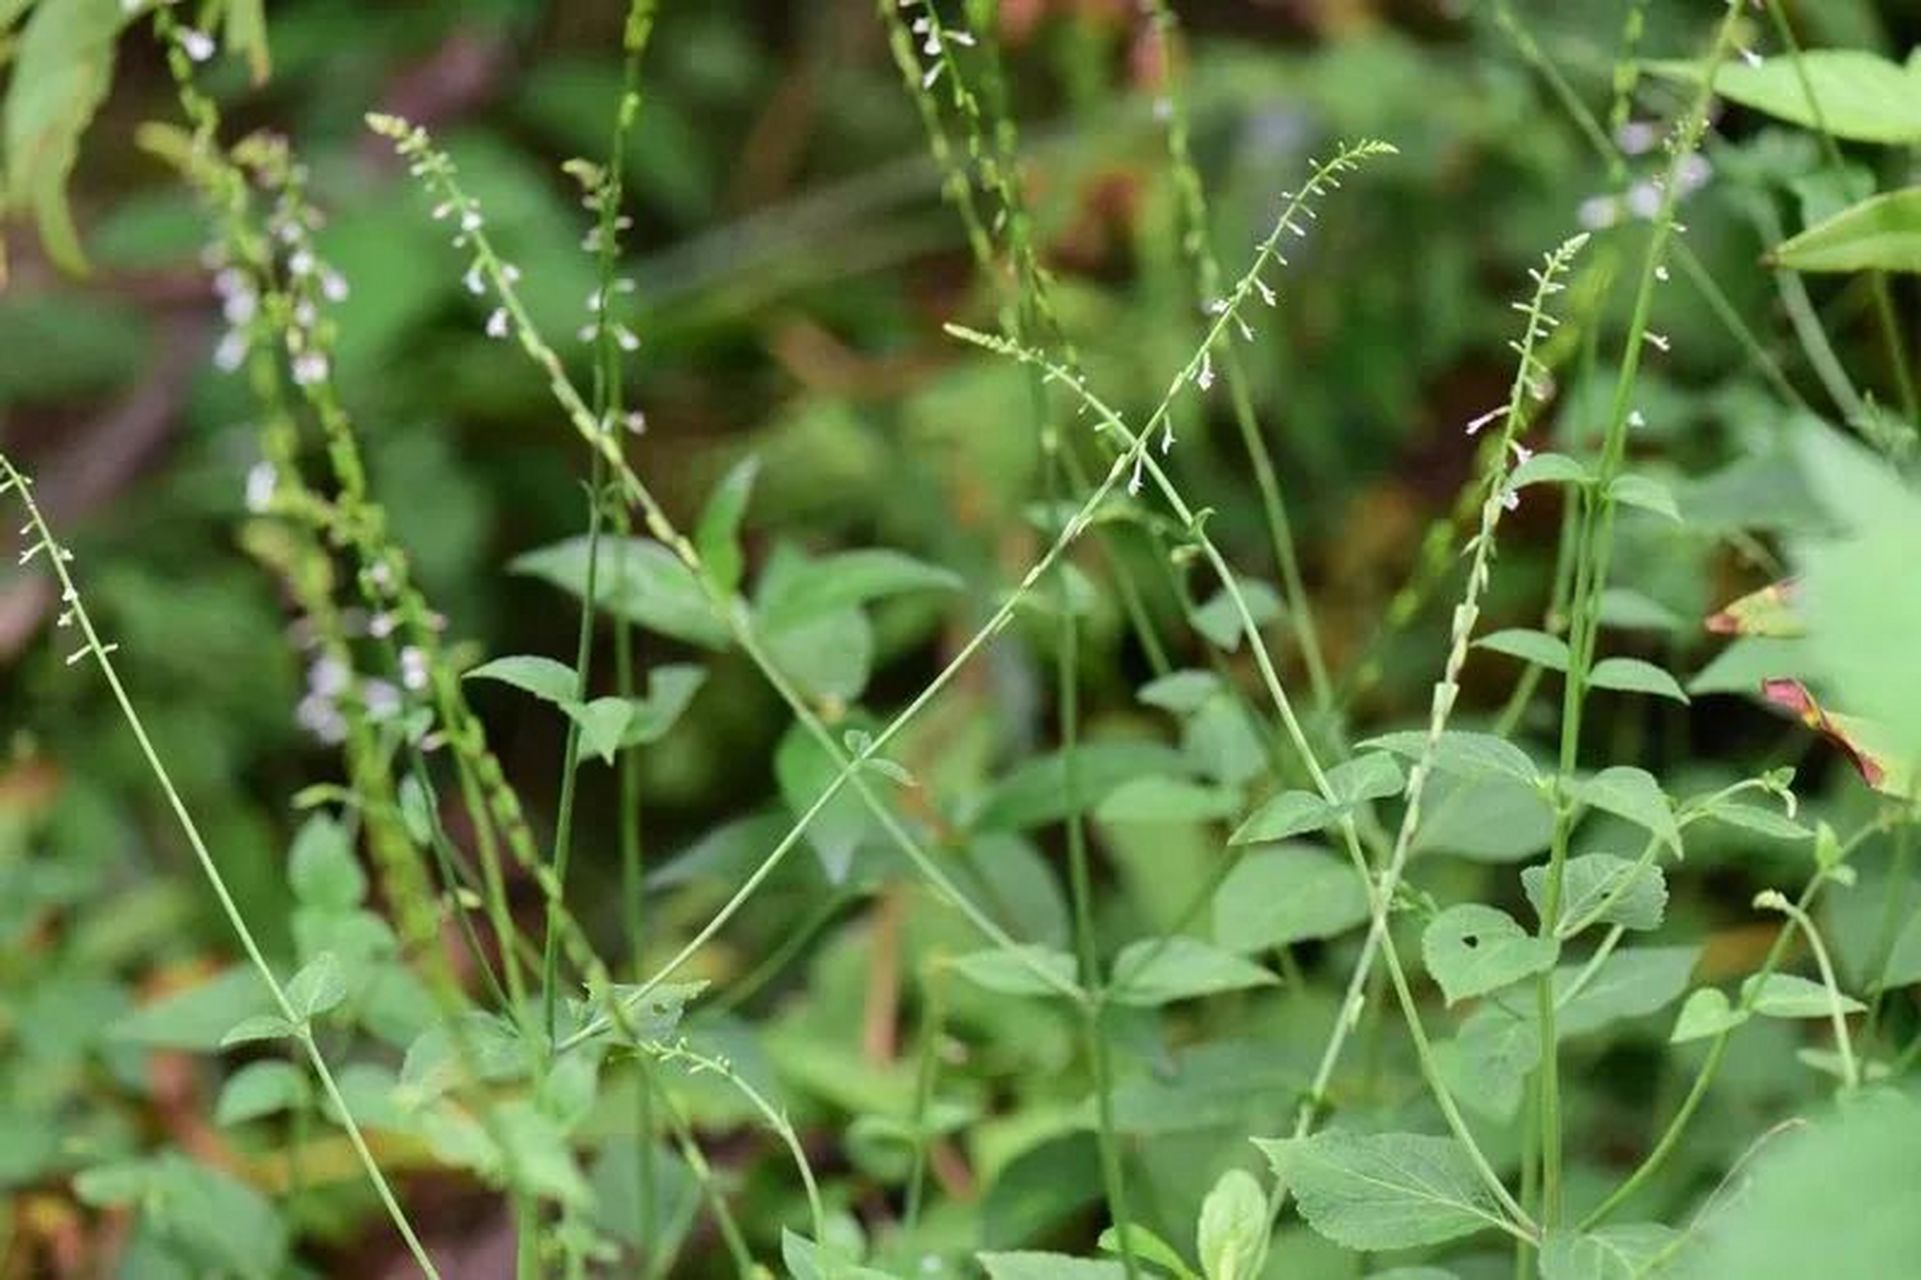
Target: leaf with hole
[(1472, 949), (1603, 888)]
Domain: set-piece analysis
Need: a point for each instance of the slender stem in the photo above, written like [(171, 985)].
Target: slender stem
[(1593, 551), (299, 1028)]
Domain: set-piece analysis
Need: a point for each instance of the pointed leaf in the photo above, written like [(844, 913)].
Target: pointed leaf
[(1882, 233), (1631, 675), (1000, 970), (545, 678), (1156, 971), (1467, 755), (717, 537), (1786, 995), (1383, 1191), (1645, 493), (1538, 647), (637, 579), (1706, 1012), (318, 987), (1290, 813), (1162, 799), (1858, 96), (1633, 794), (1774, 610), (1294, 893), (1603, 888)]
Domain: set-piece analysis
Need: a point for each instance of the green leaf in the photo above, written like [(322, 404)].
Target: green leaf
[(545, 678), (1490, 818), (670, 688), (1627, 1252), (1149, 1248), (1629, 610), (261, 1026), (1631, 983), (1472, 949), (1639, 892), (1760, 820), (1882, 233), (1904, 960), (1220, 621), (1000, 970), (647, 1016), (322, 869), (1182, 692), (1785, 995), (1833, 1200), (1373, 776), (717, 536), (196, 1017), (1466, 755), (1549, 468), (1862, 96), (805, 770), (215, 1224), (1383, 1191), (1631, 675), (1233, 1225), (1290, 813), (261, 1089), (815, 588), (1632, 793), (1034, 792), (1293, 893), (1162, 799), (1048, 1266), (318, 987), (1157, 971), (1706, 1012), (639, 580), (1645, 493), (62, 69), (1537, 647), (1487, 1062), (603, 724)]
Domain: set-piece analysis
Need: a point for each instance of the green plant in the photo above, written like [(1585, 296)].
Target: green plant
[(1212, 962)]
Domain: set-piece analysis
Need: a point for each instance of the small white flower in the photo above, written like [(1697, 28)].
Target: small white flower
[(301, 262), (1521, 453), (320, 717), (1204, 376), (636, 423), (309, 368), (333, 285), (628, 340), (1267, 294), (1750, 57), (1511, 498), (381, 625), (1644, 200), (930, 75), (1661, 274), (231, 351), (413, 668), (473, 282), (328, 677), (1659, 341), (197, 45), (510, 273), (1598, 213), (497, 323), (382, 700), (471, 221), (1637, 419), (1637, 137), (262, 480)]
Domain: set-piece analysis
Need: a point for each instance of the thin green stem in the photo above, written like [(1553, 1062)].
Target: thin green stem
[(299, 1028)]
